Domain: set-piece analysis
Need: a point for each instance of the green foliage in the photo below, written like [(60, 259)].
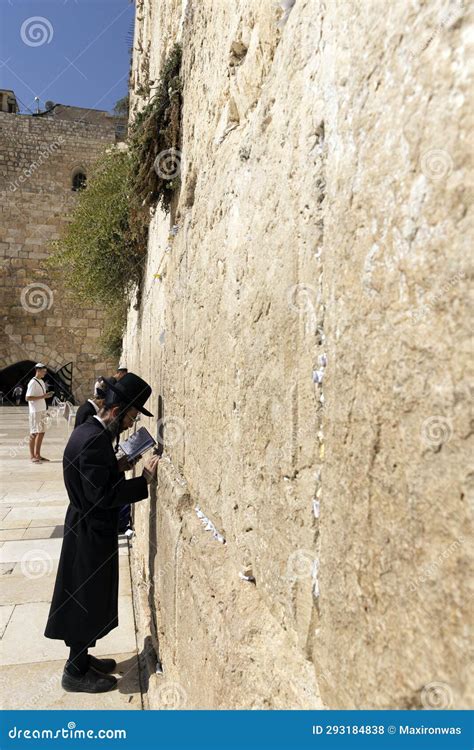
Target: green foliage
[(100, 255), (114, 324), (99, 250), (155, 140), (121, 107)]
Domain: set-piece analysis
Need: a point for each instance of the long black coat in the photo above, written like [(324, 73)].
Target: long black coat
[(85, 599), (85, 410)]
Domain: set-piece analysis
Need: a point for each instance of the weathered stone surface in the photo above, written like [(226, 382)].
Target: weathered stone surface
[(307, 333)]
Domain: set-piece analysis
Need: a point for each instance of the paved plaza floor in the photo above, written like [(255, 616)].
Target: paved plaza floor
[(33, 504)]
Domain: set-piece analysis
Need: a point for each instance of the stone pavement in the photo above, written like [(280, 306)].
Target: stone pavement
[(33, 504)]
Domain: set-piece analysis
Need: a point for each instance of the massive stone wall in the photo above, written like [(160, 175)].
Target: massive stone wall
[(38, 158), (305, 325)]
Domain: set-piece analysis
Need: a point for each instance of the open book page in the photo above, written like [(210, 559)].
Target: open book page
[(138, 443)]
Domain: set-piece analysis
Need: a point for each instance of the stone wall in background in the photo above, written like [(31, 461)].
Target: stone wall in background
[(38, 159), (303, 317)]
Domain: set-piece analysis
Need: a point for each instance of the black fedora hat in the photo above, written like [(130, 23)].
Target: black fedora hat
[(131, 390)]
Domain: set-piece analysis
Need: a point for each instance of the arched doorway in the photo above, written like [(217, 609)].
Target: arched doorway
[(19, 374)]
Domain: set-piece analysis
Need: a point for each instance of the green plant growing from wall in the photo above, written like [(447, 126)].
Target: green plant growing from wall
[(155, 140), (100, 255)]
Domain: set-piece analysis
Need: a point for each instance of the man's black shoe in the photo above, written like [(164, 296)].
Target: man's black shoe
[(102, 665), (90, 682)]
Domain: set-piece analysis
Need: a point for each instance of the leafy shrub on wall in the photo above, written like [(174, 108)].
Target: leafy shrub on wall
[(98, 255), (155, 139), (101, 253)]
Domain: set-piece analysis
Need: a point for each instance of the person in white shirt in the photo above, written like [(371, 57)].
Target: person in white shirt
[(36, 395), (98, 385)]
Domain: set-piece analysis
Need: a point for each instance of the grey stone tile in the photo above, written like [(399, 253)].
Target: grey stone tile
[(38, 686)]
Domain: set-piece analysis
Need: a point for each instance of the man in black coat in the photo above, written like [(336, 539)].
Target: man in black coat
[(84, 607), (89, 408)]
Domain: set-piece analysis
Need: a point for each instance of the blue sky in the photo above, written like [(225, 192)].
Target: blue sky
[(67, 51)]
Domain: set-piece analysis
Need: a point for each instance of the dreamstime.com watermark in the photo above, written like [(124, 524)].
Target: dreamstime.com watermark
[(173, 430), (53, 684), (36, 297), (437, 695), (448, 18), (429, 306), (303, 299), (301, 564), (70, 732), (36, 31), (436, 164), (167, 164), (29, 171), (36, 563), (432, 571), (172, 696), (436, 431), (23, 444)]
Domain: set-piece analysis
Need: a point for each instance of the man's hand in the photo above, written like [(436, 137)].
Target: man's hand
[(49, 394), (150, 468), (125, 465)]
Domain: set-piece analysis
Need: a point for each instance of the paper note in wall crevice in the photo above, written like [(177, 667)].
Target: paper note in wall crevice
[(208, 525)]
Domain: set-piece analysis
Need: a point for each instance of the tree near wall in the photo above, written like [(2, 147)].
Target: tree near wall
[(101, 253)]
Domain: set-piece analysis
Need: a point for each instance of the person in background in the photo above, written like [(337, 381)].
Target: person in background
[(36, 395), (17, 393), (98, 385), (119, 374), (90, 407)]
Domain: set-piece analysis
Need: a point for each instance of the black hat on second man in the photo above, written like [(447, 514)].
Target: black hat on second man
[(131, 390)]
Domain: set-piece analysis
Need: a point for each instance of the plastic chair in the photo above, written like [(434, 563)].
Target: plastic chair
[(69, 414)]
